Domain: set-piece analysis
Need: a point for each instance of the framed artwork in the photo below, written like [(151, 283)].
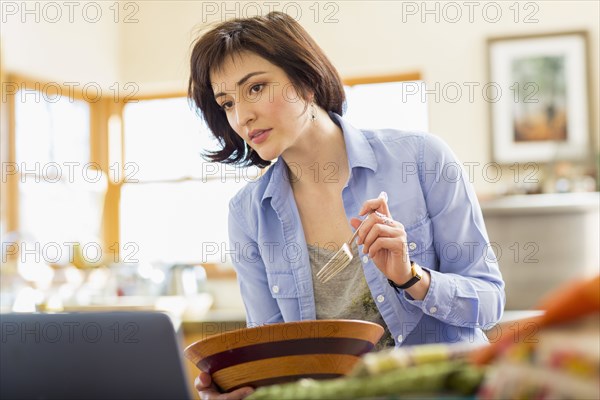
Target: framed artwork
[(538, 96)]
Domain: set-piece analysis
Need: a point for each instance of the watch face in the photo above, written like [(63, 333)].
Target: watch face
[(414, 270)]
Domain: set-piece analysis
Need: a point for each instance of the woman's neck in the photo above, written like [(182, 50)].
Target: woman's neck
[(318, 160)]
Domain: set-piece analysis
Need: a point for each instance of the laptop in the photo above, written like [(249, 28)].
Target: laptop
[(100, 355)]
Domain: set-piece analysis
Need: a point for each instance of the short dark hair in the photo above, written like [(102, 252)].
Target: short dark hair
[(282, 41)]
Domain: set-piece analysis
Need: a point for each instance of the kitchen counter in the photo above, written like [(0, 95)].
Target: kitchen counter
[(542, 203), (542, 241)]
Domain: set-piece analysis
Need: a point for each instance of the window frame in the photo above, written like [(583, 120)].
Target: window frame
[(101, 112)]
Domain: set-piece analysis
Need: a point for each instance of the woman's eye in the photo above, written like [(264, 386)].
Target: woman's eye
[(226, 106), (256, 88)]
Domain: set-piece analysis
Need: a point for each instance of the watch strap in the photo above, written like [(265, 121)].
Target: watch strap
[(415, 278)]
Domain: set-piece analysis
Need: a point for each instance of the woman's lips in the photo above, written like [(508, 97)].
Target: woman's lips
[(261, 137)]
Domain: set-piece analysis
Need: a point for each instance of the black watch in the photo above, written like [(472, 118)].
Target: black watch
[(415, 278)]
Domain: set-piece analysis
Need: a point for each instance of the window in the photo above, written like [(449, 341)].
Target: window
[(132, 173), (51, 131), (174, 205), (387, 105), (60, 192)]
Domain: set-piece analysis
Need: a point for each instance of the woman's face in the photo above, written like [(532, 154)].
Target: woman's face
[(260, 103)]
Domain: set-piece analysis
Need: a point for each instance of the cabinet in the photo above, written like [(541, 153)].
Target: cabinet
[(542, 241)]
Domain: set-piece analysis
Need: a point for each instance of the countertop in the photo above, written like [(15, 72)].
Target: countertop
[(542, 203)]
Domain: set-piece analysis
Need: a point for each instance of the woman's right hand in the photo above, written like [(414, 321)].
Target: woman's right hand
[(208, 391)]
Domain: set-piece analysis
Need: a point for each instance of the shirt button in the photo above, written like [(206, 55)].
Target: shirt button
[(275, 289), (433, 310), (412, 245), (400, 338), (380, 298), (365, 259)]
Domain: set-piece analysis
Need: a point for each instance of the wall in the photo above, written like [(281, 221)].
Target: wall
[(379, 37), (361, 38), (51, 42)]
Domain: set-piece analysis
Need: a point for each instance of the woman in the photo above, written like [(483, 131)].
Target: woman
[(422, 267)]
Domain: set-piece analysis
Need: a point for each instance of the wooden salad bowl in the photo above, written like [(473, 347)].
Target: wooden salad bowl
[(284, 352)]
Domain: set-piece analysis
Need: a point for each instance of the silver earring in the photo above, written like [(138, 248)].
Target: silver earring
[(313, 112)]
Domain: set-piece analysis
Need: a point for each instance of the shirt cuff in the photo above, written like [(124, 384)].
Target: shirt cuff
[(439, 297)]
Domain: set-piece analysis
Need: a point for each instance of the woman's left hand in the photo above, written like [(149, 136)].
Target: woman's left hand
[(384, 240)]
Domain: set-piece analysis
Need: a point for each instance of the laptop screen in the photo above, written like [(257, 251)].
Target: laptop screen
[(102, 355)]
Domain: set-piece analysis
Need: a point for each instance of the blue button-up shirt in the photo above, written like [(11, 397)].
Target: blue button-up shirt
[(428, 192)]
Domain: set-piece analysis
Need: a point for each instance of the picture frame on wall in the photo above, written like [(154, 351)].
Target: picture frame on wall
[(540, 108)]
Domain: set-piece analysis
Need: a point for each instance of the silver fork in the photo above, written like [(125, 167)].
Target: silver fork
[(340, 260)]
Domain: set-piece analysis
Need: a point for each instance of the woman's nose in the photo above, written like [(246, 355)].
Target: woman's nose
[(244, 113)]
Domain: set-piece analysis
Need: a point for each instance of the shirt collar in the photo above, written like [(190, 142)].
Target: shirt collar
[(278, 181), (358, 149)]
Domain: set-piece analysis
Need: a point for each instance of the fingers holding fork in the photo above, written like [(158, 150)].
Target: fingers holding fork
[(379, 224), (378, 205)]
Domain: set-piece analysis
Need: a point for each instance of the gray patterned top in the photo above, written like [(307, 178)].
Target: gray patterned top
[(347, 295)]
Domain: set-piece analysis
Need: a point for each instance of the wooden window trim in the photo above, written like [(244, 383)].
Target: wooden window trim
[(365, 80), (100, 113)]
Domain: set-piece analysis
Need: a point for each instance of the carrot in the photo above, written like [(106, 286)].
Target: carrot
[(580, 298), (575, 300)]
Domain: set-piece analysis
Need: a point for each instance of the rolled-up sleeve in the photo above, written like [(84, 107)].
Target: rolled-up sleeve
[(466, 286), (261, 308)]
